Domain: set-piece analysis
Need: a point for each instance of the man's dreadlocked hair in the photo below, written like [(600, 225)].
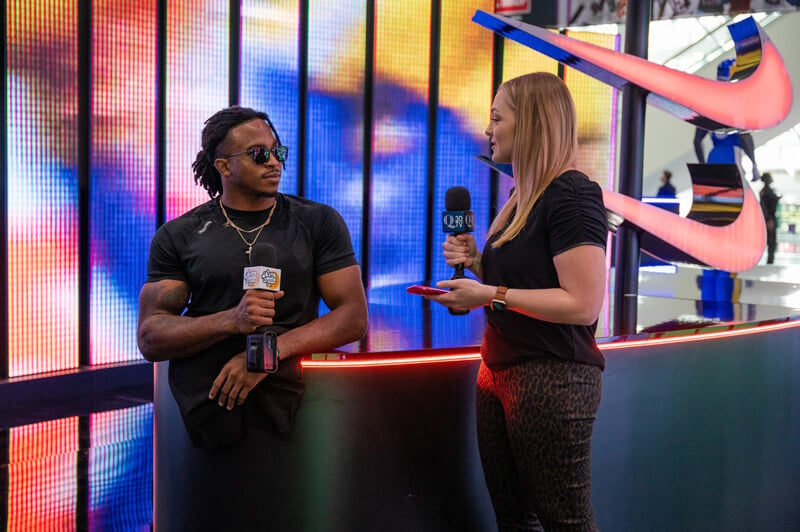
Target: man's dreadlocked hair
[(214, 133)]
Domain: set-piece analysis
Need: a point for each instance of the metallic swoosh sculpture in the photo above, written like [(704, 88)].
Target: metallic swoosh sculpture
[(761, 98), (735, 246), (731, 239), (758, 101)]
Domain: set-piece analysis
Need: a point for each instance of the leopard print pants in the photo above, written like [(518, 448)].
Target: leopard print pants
[(534, 435)]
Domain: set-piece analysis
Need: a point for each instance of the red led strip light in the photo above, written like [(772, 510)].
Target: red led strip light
[(463, 356)]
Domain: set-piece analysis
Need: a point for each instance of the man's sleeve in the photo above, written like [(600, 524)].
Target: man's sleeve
[(164, 259), (334, 247)]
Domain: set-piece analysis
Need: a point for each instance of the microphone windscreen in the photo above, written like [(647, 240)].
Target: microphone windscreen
[(457, 199), (263, 254)]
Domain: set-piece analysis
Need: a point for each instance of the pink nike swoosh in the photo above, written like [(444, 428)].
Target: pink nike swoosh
[(761, 100), (735, 247)]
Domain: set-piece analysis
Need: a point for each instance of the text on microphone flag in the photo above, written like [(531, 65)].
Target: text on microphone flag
[(457, 221)]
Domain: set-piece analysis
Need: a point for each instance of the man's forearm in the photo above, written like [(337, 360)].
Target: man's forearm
[(167, 337), (340, 326)]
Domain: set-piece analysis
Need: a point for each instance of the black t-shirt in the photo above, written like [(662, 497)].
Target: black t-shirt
[(310, 239), (569, 213)]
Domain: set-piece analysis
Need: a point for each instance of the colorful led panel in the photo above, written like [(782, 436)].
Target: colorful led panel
[(596, 105), (269, 72), (121, 469), (42, 475), (42, 194), (122, 171), (519, 59), (335, 112), (399, 141), (465, 97), (197, 87)]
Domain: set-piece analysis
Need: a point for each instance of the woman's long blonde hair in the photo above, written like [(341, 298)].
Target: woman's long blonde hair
[(545, 145)]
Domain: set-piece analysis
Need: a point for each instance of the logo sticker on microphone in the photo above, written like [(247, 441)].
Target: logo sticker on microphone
[(262, 278), (457, 221), (270, 278)]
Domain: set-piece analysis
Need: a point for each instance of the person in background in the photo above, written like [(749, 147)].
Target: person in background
[(542, 278), (769, 206), (194, 312), (666, 190)]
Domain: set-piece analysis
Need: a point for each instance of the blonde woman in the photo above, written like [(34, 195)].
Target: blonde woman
[(542, 280)]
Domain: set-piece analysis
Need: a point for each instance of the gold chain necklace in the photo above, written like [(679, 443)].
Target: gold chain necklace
[(241, 232)]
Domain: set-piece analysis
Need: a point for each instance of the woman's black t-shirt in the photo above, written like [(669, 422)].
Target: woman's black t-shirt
[(569, 213)]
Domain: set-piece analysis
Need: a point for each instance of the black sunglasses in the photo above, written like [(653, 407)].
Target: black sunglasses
[(261, 155)]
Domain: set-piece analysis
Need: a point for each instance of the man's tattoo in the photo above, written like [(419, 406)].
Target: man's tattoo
[(175, 299)]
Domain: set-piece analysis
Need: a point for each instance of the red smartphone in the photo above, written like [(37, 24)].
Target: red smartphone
[(422, 290)]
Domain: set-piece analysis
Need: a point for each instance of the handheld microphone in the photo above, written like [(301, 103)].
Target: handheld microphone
[(457, 219), (262, 345)]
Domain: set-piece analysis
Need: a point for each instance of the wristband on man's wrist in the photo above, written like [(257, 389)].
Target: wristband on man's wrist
[(262, 352)]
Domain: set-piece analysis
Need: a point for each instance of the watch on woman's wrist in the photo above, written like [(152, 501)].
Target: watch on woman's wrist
[(499, 300)]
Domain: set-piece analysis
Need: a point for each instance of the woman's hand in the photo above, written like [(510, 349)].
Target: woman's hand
[(464, 294), (460, 249)]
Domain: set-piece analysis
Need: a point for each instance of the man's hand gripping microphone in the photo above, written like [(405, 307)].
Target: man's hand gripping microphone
[(262, 345), (457, 219)]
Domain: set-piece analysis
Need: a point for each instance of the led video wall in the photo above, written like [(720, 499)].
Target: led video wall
[(43, 184), (122, 196), (91, 473), (42, 188), (96, 471)]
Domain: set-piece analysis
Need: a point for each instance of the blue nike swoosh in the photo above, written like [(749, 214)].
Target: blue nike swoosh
[(761, 100), (735, 247)]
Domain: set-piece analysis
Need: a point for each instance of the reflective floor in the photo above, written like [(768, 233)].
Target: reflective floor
[(90, 472), (94, 471)]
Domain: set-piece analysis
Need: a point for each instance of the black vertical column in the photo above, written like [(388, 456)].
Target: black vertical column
[(302, 97), (84, 178), (161, 113), (4, 455), (434, 66), (626, 285), (234, 50), (366, 146), (366, 149), (4, 201), (497, 79), (433, 127), (85, 87), (83, 488)]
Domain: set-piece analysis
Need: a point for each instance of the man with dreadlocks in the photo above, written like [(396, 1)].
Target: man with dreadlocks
[(194, 313)]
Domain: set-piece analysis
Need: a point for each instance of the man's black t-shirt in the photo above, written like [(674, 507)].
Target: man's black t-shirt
[(569, 213), (310, 239)]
